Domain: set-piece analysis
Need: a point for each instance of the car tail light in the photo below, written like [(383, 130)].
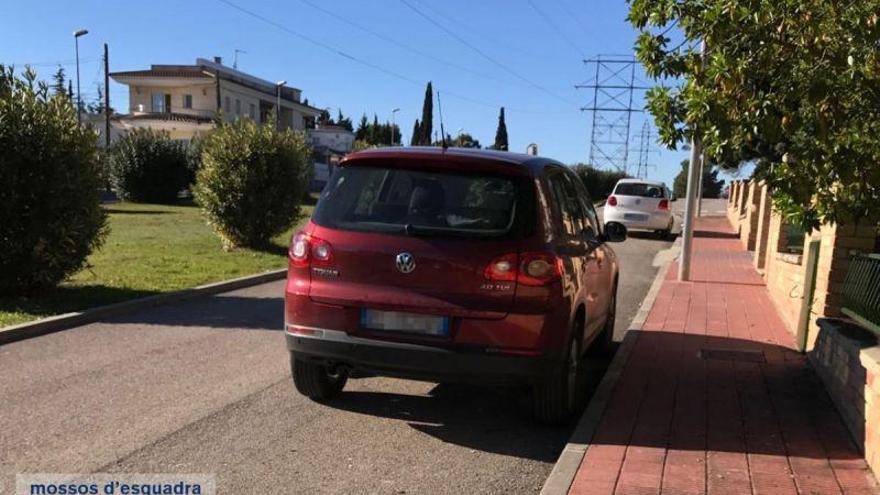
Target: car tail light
[(612, 201), (502, 268), (664, 204), (305, 249), (539, 268)]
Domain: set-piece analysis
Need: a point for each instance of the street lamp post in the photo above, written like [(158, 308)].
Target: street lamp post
[(76, 35), (393, 124), (278, 86)]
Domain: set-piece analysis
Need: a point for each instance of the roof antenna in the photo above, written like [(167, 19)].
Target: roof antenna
[(442, 131), (235, 58)]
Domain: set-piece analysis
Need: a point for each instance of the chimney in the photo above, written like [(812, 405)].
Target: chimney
[(218, 60)]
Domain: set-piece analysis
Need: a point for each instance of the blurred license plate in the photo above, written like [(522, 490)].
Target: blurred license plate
[(635, 216), (394, 321)]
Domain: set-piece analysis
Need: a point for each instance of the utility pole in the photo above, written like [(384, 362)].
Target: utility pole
[(106, 98), (687, 232)]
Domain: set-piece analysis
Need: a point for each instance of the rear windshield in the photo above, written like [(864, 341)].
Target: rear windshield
[(639, 189), (420, 202)]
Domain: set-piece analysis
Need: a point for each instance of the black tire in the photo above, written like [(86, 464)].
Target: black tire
[(555, 399), (315, 381)]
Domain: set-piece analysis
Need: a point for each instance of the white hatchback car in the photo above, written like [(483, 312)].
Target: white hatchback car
[(642, 205)]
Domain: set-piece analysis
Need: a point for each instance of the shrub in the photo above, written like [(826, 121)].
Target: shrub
[(599, 183), (50, 211), (147, 166), (251, 181)]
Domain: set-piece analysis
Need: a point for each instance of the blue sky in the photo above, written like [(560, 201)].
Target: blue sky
[(524, 60)]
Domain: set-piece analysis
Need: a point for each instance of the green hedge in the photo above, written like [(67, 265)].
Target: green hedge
[(251, 181), (147, 166), (50, 212)]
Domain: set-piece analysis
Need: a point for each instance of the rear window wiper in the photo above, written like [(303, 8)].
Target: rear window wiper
[(420, 230)]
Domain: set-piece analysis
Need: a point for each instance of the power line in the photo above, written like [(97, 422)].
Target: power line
[(366, 63), (556, 29), (570, 13), (483, 54), (399, 44), (63, 63)]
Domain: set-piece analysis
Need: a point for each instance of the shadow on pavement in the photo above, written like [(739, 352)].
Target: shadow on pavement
[(495, 420), (704, 393), (67, 299), (221, 311)]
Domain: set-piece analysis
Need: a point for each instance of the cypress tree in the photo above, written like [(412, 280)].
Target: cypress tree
[(58, 79), (415, 140), (427, 127), (501, 133)]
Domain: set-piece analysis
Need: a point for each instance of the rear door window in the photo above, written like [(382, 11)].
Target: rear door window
[(396, 200), (640, 189), (570, 213)]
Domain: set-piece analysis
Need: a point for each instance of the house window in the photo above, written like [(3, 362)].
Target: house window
[(252, 111), (158, 102), (237, 106), (228, 105), (187, 101)]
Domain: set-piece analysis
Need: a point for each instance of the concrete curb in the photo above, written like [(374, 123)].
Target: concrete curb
[(566, 467), (68, 320)]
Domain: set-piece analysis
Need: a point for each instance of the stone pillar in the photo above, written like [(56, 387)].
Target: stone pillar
[(765, 205), (749, 217)]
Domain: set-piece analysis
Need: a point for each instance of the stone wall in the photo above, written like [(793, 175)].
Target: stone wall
[(847, 359)]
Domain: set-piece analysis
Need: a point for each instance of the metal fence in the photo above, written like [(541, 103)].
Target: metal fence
[(861, 291)]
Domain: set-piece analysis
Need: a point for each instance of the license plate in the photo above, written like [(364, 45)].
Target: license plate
[(395, 321), (635, 216)]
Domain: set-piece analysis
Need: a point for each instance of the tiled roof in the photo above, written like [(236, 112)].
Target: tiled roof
[(176, 117), (182, 72)]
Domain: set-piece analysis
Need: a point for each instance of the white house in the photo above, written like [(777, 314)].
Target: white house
[(185, 99)]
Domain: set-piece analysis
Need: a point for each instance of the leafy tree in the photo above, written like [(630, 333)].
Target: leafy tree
[(324, 118), (711, 185), (50, 210), (427, 128), (59, 86), (97, 105), (790, 83), (147, 166), (361, 132), (501, 133), (416, 138), (599, 183), (251, 181), (70, 90), (465, 140)]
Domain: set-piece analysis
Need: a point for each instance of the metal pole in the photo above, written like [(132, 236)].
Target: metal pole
[(78, 96), (700, 186), (106, 97), (278, 86), (687, 233), (393, 124)]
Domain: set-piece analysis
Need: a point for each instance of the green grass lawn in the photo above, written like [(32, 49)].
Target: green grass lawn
[(150, 249)]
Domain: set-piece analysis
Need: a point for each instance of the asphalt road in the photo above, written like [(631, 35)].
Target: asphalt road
[(204, 387)]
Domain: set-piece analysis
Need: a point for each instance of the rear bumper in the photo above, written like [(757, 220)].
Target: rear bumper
[(417, 362), (652, 221)]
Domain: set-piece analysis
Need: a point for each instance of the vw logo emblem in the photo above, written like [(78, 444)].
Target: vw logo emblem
[(405, 263)]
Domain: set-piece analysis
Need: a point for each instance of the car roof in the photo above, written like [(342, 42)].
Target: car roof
[(534, 164), (642, 181)]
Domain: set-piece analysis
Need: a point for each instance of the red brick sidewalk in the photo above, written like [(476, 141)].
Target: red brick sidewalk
[(714, 398)]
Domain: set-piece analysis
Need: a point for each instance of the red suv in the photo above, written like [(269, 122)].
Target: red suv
[(451, 265)]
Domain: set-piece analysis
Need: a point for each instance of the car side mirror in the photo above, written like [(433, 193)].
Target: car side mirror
[(591, 238), (615, 232)]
